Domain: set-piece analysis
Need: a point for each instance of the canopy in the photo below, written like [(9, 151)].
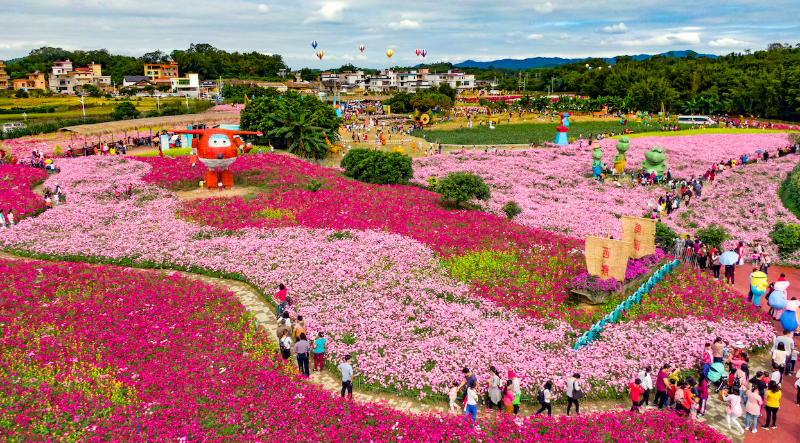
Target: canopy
[(121, 126)]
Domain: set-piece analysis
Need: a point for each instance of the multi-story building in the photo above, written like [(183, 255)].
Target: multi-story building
[(188, 85), (454, 77), (383, 82), (161, 74), (4, 78), (389, 80), (35, 80), (343, 82), (66, 79)]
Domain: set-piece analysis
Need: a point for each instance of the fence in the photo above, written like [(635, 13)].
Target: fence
[(594, 332)]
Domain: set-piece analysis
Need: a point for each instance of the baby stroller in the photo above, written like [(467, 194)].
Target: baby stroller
[(718, 374)]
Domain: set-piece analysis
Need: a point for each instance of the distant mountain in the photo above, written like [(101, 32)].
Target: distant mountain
[(549, 62)]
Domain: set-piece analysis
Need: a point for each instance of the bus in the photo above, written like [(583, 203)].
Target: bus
[(695, 120)]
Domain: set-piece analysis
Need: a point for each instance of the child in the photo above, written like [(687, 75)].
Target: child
[(10, 217), (117, 193), (453, 393), (48, 202), (509, 397), (791, 362)]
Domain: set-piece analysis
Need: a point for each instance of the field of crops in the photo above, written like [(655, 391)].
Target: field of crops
[(526, 133)]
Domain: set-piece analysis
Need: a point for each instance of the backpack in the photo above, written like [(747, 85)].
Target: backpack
[(540, 397)]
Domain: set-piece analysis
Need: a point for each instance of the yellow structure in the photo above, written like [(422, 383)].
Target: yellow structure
[(4, 79), (34, 81)]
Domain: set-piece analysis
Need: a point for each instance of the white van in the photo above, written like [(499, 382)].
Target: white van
[(12, 126), (695, 120)]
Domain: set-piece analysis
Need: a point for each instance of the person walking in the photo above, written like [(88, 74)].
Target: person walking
[(662, 381), (347, 376), (574, 393), (647, 384), (730, 272), (509, 397), (471, 408), (495, 396), (715, 264), (779, 357), (544, 397), (301, 351), (772, 403), (515, 386), (320, 348), (702, 394), (469, 378), (734, 409), (752, 407), (285, 343), (281, 297)]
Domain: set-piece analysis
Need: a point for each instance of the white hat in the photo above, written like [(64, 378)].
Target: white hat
[(738, 345)]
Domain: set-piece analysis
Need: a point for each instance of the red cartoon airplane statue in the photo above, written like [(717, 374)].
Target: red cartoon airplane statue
[(217, 149)]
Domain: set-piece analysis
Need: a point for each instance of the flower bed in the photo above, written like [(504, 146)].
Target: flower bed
[(16, 182), (380, 296), (100, 353)]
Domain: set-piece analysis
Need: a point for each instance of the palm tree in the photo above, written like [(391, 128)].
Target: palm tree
[(691, 106), (301, 136)]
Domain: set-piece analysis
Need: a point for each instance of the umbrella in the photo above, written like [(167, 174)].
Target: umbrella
[(729, 258), (759, 152)]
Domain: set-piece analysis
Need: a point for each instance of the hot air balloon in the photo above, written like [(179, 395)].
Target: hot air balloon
[(361, 48), (319, 55), (389, 53), (587, 65), (424, 52), (314, 44), (417, 52)]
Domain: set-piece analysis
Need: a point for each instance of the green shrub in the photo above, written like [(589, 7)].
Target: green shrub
[(667, 233), (790, 191), (511, 209), (125, 111), (713, 235), (786, 237), (377, 167), (463, 186)]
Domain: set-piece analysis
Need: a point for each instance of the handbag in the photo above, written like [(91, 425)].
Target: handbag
[(577, 394)]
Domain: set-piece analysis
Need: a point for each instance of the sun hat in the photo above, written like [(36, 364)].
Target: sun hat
[(511, 374), (738, 345)]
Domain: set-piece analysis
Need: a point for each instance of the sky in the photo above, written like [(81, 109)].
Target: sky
[(450, 30)]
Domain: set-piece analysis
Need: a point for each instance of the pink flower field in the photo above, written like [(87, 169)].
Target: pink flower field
[(16, 182), (109, 354), (381, 294)]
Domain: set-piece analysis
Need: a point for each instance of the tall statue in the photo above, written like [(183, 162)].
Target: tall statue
[(654, 161), (597, 161), (217, 149), (619, 159), (561, 131)]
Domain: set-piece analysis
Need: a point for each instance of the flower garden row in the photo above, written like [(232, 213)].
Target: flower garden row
[(16, 182), (381, 296), (101, 353)]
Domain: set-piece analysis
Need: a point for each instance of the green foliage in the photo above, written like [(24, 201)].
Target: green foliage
[(125, 111), (278, 119), (786, 237), (790, 191), (21, 94), (237, 93), (463, 186), (511, 209), (377, 167), (127, 91), (713, 235), (667, 233)]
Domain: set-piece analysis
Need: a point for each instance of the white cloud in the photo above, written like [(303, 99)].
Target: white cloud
[(727, 43), (361, 57), (392, 46), (106, 28), (616, 29), (688, 38), (347, 57), (533, 36), (329, 13), (404, 24), (545, 8), (692, 28), (263, 9)]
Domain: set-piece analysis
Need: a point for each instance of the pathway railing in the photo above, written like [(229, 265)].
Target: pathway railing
[(612, 317)]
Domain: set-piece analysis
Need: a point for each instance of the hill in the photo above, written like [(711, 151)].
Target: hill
[(549, 62)]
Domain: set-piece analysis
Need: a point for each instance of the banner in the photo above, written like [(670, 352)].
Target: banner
[(641, 234), (607, 258)]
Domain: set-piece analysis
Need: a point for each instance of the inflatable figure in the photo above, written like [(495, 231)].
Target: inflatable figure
[(620, 158), (654, 161), (597, 161), (777, 299), (561, 136), (789, 316), (217, 149)]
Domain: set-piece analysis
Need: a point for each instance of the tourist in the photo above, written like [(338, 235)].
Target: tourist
[(515, 386), (469, 377), (772, 404), (715, 264), (702, 394), (766, 262), (299, 327), (637, 392), (752, 407), (493, 389), (10, 217), (2, 219), (780, 355), (320, 348), (574, 393), (471, 408), (544, 397), (301, 351), (740, 251), (347, 376), (647, 384), (797, 386), (285, 343), (453, 393), (734, 409), (662, 381), (509, 397), (776, 375), (677, 397), (730, 272), (281, 297), (716, 349), (708, 357)]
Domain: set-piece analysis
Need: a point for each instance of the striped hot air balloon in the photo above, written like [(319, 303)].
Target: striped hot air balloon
[(319, 55), (361, 48), (314, 44), (417, 52), (389, 53), (424, 52)]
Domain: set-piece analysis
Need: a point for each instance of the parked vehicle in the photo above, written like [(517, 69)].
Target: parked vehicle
[(695, 120), (7, 127)]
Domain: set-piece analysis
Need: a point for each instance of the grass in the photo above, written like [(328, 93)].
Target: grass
[(526, 133), (705, 131), (67, 106)]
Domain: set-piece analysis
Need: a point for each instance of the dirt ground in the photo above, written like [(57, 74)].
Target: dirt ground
[(199, 193)]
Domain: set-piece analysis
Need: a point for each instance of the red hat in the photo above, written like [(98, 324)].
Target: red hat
[(511, 374)]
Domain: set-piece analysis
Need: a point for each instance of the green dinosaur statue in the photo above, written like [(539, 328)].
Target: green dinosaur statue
[(597, 161), (654, 161), (619, 159)]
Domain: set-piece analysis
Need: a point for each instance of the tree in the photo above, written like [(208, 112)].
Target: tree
[(308, 75), (125, 111), (377, 167), (149, 89), (460, 187), (91, 90), (296, 128), (19, 93), (164, 88), (511, 209), (127, 91)]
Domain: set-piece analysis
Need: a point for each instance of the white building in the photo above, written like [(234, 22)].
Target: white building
[(66, 79), (389, 80), (188, 85), (343, 82)]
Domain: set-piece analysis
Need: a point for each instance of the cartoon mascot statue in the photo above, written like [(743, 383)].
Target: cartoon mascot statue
[(217, 149)]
